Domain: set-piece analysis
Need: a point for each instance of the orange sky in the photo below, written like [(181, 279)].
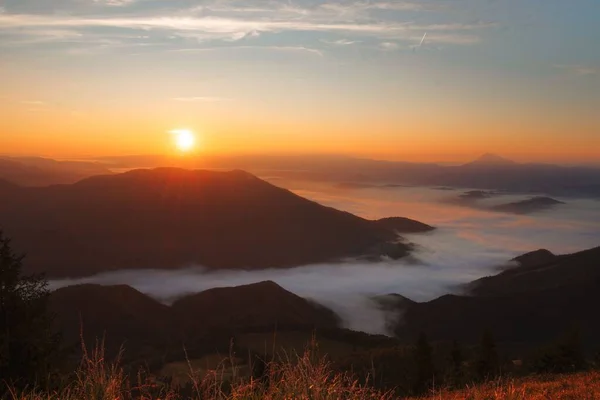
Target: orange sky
[(55, 132), (340, 77)]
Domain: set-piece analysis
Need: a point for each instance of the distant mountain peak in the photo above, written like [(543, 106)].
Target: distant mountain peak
[(491, 159)]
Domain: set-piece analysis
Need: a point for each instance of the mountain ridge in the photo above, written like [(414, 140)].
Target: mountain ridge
[(171, 218), (120, 313), (541, 299)]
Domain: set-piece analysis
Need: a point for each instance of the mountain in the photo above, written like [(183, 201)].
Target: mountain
[(491, 160), (171, 218), (549, 272), (119, 314), (248, 307), (487, 172), (475, 195), (534, 204), (527, 305), (535, 258), (122, 315), (36, 171), (404, 225)]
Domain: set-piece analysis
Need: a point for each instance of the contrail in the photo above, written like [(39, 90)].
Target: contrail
[(422, 40), (414, 48)]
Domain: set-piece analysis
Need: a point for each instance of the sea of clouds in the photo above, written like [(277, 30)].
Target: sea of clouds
[(468, 244)]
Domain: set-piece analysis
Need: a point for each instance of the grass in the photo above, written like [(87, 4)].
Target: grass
[(582, 386), (307, 377)]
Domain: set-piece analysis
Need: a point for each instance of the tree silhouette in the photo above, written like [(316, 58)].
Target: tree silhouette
[(486, 365), (455, 372), (564, 356), (27, 341), (424, 364)]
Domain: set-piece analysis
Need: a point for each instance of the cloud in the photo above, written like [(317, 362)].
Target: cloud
[(228, 28), (114, 3), (388, 46), (201, 99), (268, 48), (580, 70), (340, 42), (33, 102), (346, 288)]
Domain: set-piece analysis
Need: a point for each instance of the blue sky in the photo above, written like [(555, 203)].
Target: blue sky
[(528, 66)]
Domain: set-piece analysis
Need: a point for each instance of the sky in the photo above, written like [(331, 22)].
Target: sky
[(429, 80)]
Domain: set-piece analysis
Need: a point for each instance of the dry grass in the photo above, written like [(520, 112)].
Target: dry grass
[(305, 377), (583, 386)]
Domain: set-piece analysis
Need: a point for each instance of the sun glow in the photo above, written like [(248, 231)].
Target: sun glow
[(185, 140)]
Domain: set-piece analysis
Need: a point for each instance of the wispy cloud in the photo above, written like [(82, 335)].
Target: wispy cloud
[(114, 3), (452, 38), (212, 27), (36, 103), (580, 70), (389, 46), (340, 42), (255, 48), (208, 99)]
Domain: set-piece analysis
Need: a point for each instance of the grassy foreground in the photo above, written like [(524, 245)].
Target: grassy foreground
[(300, 377), (582, 386)]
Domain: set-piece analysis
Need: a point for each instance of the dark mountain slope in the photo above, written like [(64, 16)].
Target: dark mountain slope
[(259, 305), (171, 218), (528, 206), (532, 303), (404, 225), (549, 273), (119, 314), (122, 315), (535, 258), (525, 318)]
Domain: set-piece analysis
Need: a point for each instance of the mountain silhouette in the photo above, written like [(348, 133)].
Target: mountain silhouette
[(119, 314), (404, 225), (248, 307), (490, 159), (172, 218), (535, 258), (534, 204), (530, 304), (487, 172), (124, 316)]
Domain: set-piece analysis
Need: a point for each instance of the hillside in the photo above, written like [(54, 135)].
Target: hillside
[(528, 305), (247, 307), (119, 314), (535, 258), (404, 225), (546, 273), (123, 315), (582, 386), (171, 218), (528, 206)]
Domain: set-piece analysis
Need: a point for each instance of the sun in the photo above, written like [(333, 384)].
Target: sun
[(185, 140)]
